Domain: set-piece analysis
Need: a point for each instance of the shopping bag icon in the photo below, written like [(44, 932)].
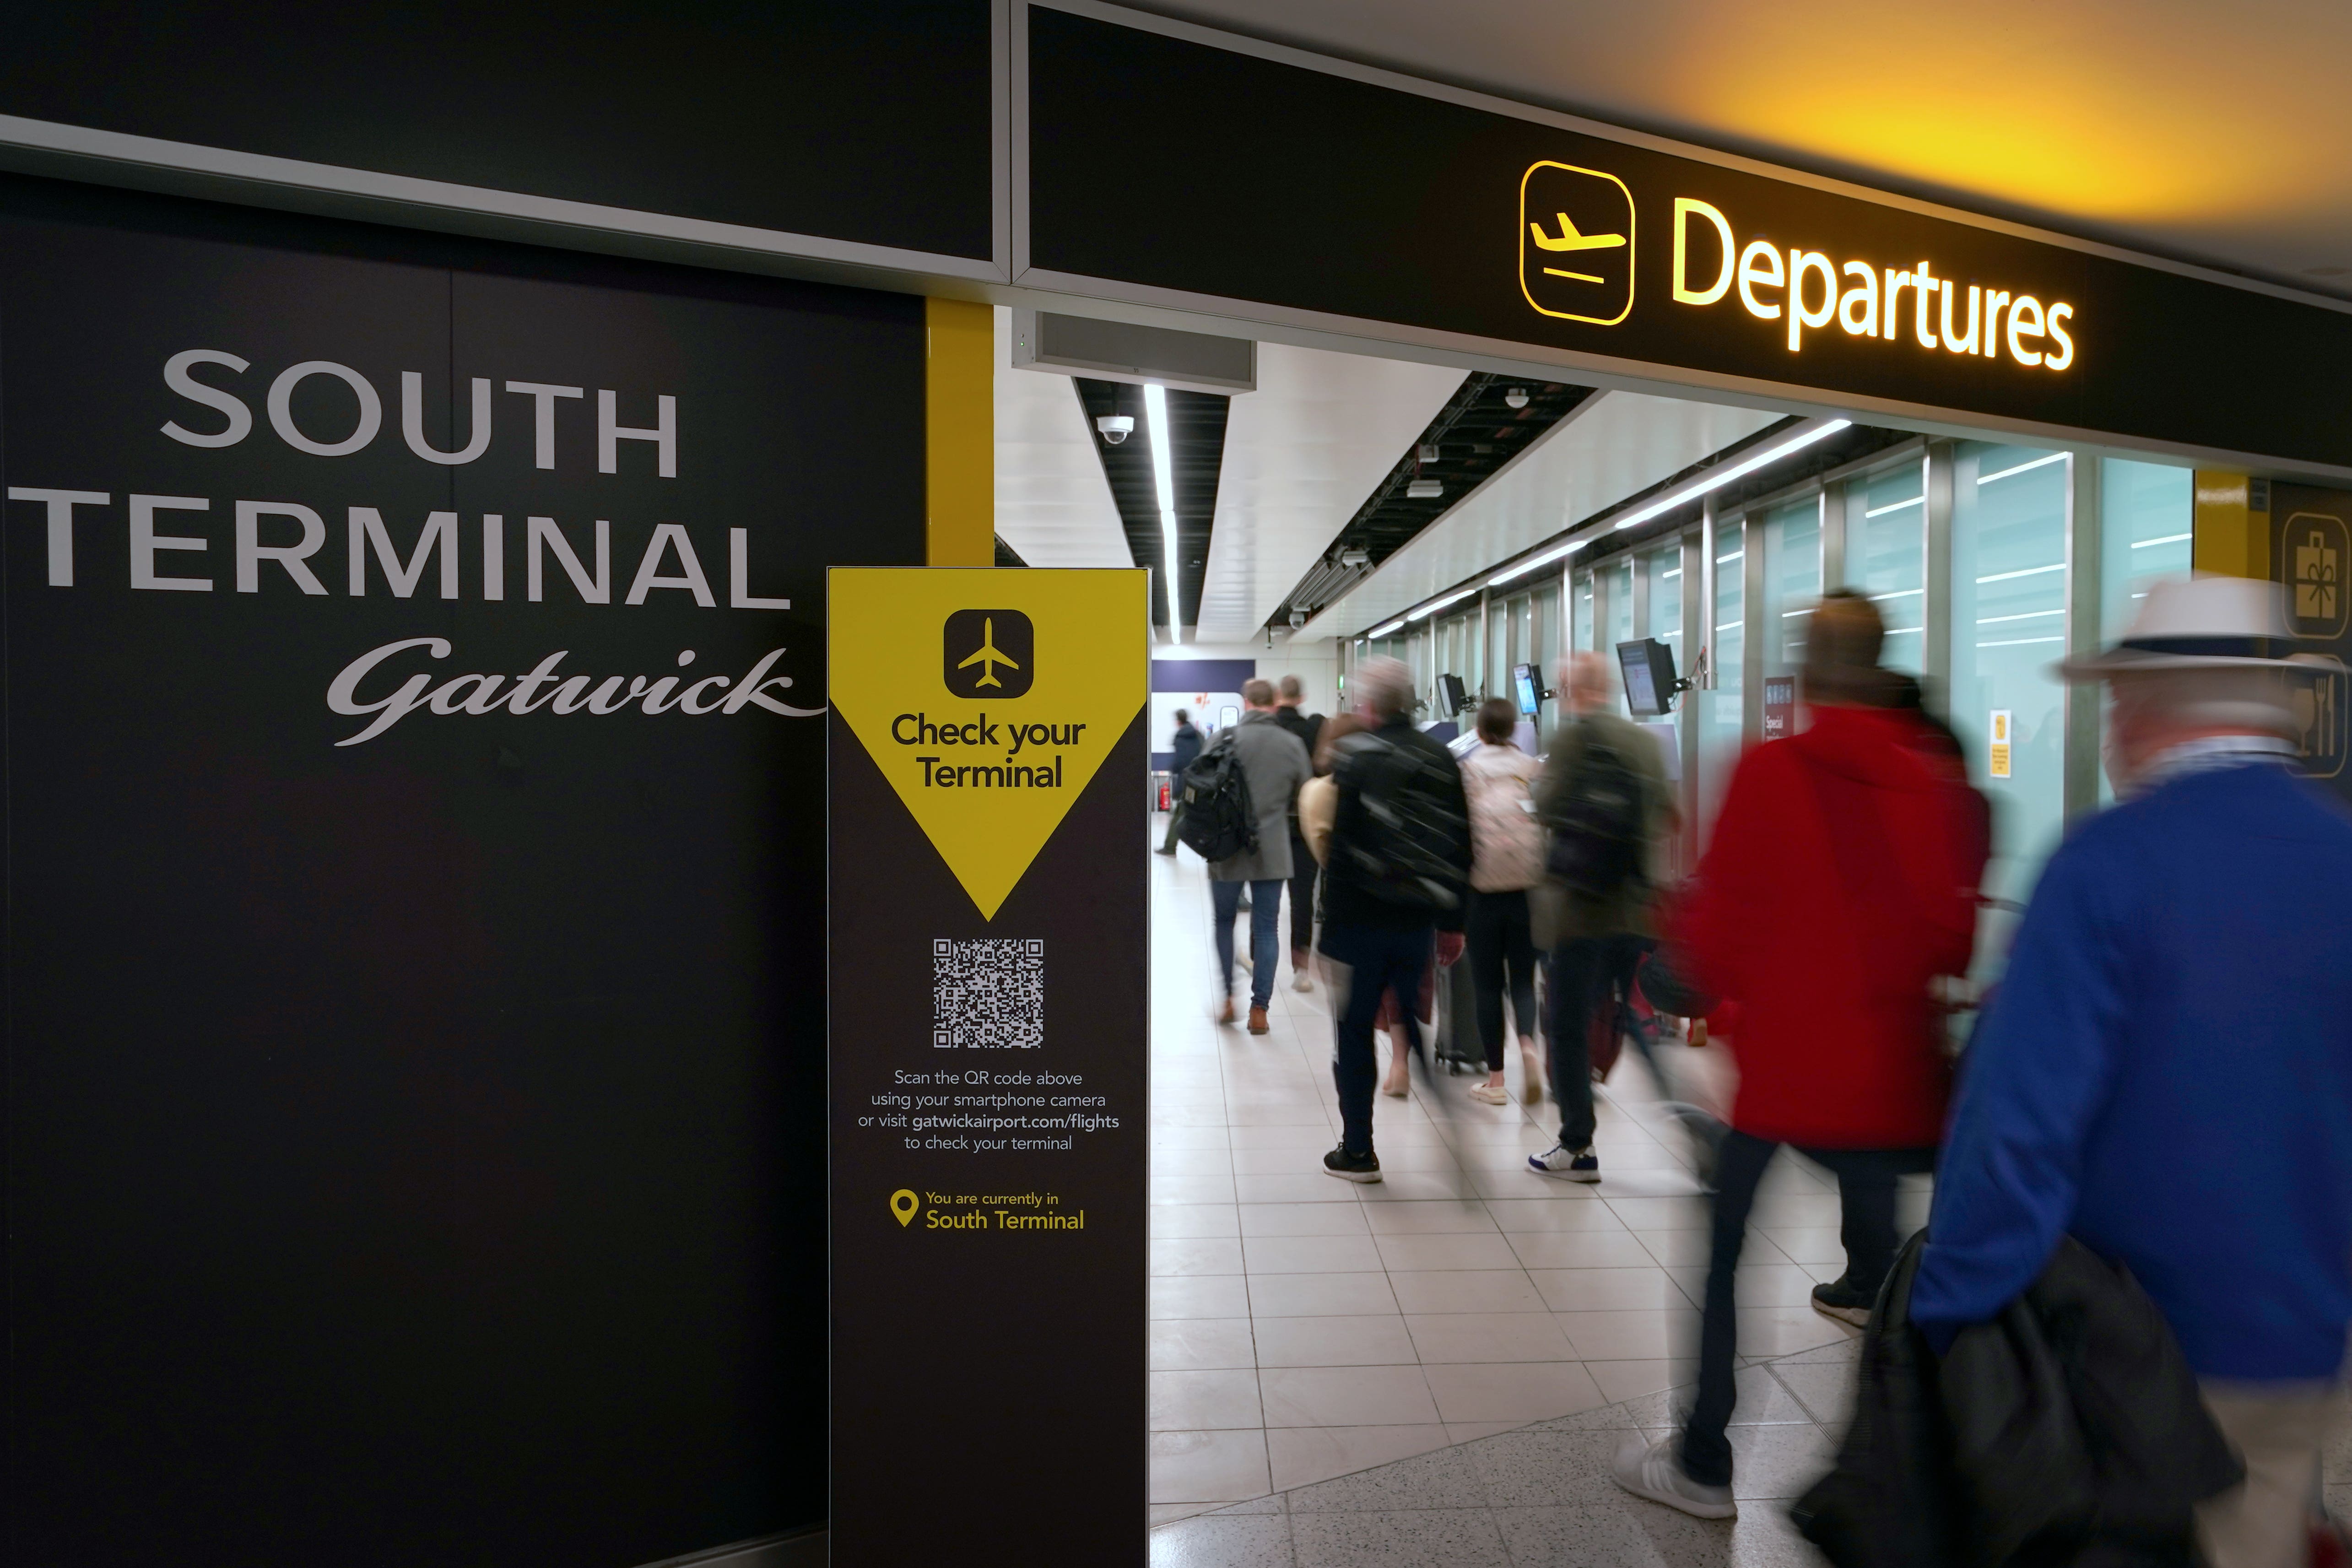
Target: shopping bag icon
[(2317, 546)]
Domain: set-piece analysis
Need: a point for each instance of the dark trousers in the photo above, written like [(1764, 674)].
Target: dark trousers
[(1302, 899), (1265, 908), (1866, 1199), (1175, 816), (1590, 975), (1379, 962), (1502, 946)]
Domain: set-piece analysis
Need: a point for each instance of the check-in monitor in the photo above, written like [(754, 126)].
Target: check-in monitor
[(1452, 696), (1528, 690), (1649, 666)]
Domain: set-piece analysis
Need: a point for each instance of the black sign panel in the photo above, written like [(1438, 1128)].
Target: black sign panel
[(989, 1066), (414, 827), (2311, 551), (868, 123), (1178, 165)]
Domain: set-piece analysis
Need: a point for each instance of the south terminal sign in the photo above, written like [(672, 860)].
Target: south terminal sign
[(1266, 185)]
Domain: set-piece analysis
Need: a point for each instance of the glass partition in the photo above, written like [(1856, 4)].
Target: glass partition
[(1886, 557), (1792, 582), (1721, 711), (2009, 574), (1584, 627), (1617, 606), (2144, 511), (1662, 571)]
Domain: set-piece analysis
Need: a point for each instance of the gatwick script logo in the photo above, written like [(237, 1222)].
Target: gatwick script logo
[(1576, 243), (990, 653)]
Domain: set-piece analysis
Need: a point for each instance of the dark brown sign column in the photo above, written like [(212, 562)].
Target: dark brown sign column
[(989, 1012)]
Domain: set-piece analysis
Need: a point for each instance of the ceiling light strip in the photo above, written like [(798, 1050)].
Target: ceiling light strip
[(1163, 479)]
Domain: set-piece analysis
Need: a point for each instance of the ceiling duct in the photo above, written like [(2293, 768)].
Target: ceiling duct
[(1121, 351)]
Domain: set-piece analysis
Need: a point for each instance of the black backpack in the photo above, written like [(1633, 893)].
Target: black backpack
[(1412, 846), (1597, 838), (1218, 819)]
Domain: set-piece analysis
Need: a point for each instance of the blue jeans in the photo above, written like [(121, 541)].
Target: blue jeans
[(1378, 961), (1265, 918)]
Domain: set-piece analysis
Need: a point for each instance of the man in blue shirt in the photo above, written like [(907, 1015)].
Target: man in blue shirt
[(2165, 1072)]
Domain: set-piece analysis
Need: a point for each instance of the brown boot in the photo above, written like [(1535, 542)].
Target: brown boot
[(1225, 1012), (1258, 1023)]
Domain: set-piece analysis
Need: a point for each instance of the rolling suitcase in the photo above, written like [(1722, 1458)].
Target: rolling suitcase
[(1454, 1041)]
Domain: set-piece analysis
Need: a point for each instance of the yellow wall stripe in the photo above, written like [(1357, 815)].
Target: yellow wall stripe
[(960, 425), (2231, 540)]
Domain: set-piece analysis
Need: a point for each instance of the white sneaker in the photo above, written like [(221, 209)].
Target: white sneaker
[(1569, 1164), (1651, 1470), (1490, 1093), (1299, 981)]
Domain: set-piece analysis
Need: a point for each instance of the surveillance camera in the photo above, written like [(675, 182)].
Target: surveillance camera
[(1298, 618), (1516, 398), (1115, 428)]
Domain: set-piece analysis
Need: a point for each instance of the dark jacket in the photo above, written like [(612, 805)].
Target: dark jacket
[(1187, 746), (1357, 835), (2068, 1430), (1308, 727)]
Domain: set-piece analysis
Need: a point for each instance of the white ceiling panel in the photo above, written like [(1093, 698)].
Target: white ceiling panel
[(1053, 505), (1302, 453), (1612, 446)]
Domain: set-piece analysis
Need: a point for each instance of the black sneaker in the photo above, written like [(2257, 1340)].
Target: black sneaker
[(1840, 1300), (1352, 1168)]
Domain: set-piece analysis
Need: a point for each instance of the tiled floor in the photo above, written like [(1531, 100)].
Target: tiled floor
[(1306, 1329)]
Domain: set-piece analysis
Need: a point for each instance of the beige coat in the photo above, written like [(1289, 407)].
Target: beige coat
[(1318, 805)]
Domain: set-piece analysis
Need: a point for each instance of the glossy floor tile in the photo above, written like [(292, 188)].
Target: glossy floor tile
[(1332, 1365)]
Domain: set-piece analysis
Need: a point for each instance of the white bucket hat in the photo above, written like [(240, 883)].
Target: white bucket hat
[(2200, 623)]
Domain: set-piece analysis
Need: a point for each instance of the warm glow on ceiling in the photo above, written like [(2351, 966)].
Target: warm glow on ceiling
[(2186, 126)]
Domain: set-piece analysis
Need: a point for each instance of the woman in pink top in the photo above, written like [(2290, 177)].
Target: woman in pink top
[(1506, 858)]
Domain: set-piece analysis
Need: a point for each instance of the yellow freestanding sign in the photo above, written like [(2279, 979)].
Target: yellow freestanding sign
[(987, 962), (989, 719)]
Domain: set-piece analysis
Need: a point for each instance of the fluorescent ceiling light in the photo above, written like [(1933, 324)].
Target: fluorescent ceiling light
[(1895, 506), (1546, 559), (1453, 598), (1983, 479), (1383, 631), (1164, 478), (1715, 479)]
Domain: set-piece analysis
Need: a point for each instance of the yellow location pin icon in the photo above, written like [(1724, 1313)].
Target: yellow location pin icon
[(904, 1204)]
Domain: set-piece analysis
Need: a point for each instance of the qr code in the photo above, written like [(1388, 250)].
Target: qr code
[(988, 996)]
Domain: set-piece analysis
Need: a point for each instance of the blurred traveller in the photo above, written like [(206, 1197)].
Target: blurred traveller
[(1274, 764), (2166, 1073), (1603, 795), (1186, 746), (1319, 798), (1400, 858), (1506, 858), (1291, 696), (1841, 882)]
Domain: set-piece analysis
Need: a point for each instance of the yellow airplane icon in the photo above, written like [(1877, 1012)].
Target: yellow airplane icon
[(987, 657), (1571, 240)]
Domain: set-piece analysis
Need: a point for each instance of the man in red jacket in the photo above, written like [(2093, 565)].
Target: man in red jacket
[(1841, 880)]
